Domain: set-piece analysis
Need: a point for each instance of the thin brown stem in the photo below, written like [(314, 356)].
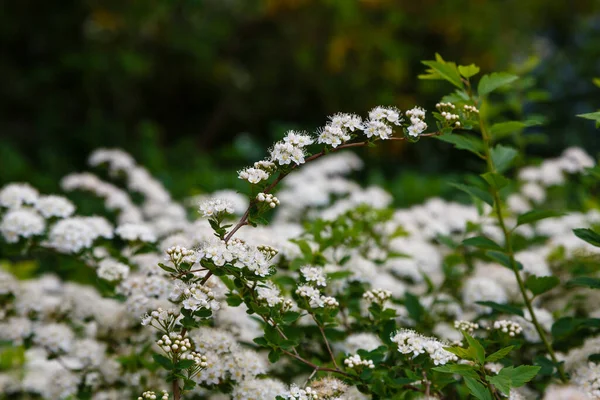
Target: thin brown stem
[(315, 366), (325, 340)]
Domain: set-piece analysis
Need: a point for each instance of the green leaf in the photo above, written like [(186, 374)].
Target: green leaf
[(274, 356), (537, 215), (475, 192), (499, 355), (502, 157), (482, 243), (460, 369), (290, 317), (465, 354), (468, 70), (520, 375), (595, 116), (165, 268), (503, 308), (442, 70), (495, 180), (477, 347), (491, 82), (163, 361), (185, 364), (501, 129), (593, 283), (503, 259), (541, 284), (588, 235), (413, 306), (501, 382), (464, 142), (477, 389), (596, 81)]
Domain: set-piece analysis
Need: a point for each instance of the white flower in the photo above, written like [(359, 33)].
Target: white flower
[(417, 121), (298, 139), (212, 207), (285, 153), (54, 206), (410, 342), (134, 232), (253, 175), (21, 223), (314, 275), (54, 337), (112, 270), (71, 235), (14, 195)]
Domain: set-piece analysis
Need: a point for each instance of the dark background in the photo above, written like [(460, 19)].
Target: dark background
[(197, 89)]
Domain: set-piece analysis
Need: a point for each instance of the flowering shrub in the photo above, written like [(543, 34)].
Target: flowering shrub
[(331, 294)]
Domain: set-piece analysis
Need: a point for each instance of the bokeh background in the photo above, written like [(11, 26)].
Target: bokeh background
[(196, 89)]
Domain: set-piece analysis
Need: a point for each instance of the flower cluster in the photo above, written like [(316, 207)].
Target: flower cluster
[(216, 208), (466, 326), (356, 362), (381, 121), (506, 326), (410, 342), (379, 296), (339, 129), (153, 396), (268, 198), (417, 122)]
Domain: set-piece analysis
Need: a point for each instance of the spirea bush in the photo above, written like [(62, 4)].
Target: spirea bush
[(309, 286)]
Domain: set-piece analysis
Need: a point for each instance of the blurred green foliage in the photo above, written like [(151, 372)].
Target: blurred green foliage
[(197, 89)]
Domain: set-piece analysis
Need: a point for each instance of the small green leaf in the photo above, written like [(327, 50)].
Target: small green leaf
[(495, 180), (499, 355), (501, 129), (468, 70), (413, 306), (595, 116), (189, 384), (477, 389), (185, 364), (503, 259), (588, 235), (476, 346), (274, 356), (537, 215), (460, 369), (593, 283), (502, 157), (465, 354), (475, 192), (290, 317), (491, 82), (541, 284), (463, 142), (165, 268), (520, 375), (163, 361), (501, 382), (442, 70), (503, 308), (482, 243)]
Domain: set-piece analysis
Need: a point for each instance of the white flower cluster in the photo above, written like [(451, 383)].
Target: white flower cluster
[(506, 326), (216, 207), (552, 171), (329, 388), (297, 393), (417, 122), (21, 223), (54, 206), (466, 326), (160, 315), (72, 235), (112, 270), (268, 198), (410, 342), (315, 298), (260, 172), (380, 122), (179, 254), (314, 275), (134, 232), (356, 362), (174, 343), (150, 395), (270, 294), (379, 296), (14, 195), (470, 109), (587, 379), (198, 296), (291, 149), (238, 254), (447, 112), (339, 129)]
